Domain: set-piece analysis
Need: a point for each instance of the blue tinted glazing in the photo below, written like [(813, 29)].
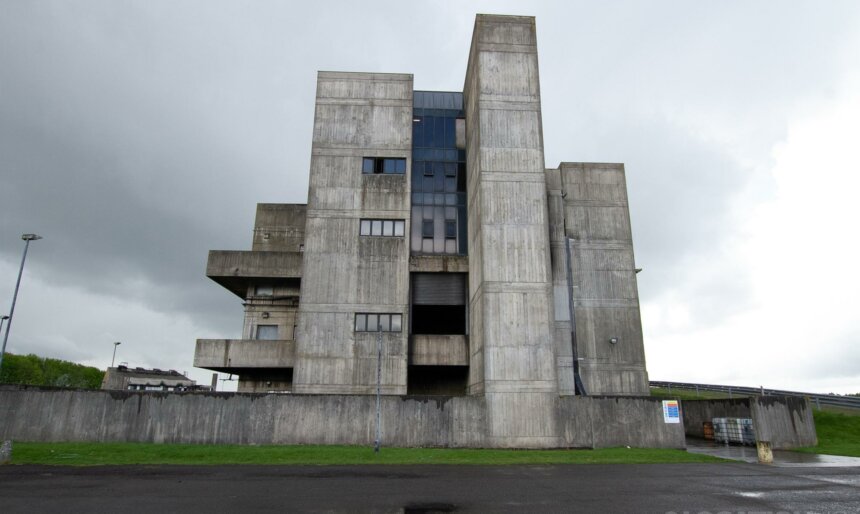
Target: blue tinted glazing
[(439, 174)]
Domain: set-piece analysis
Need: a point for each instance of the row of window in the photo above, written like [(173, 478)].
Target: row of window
[(388, 228), (366, 322), (386, 165), (397, 228), (428, 229)]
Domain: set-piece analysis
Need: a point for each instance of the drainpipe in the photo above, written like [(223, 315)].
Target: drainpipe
[(577, 379)]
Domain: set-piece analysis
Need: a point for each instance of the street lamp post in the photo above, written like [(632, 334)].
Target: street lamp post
[(3, 319), (27, 238), (378, 440), (114, 353)]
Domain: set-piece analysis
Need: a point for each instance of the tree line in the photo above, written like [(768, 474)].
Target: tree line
[(42, 371)]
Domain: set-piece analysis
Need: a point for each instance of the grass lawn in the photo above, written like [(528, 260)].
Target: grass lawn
[(95, 454), (838, 433)]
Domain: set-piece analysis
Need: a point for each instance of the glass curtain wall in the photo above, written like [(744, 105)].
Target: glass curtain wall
[(438, 175)]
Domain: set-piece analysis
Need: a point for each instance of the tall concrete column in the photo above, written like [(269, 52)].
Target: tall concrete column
[(357, 115), (512, 349)]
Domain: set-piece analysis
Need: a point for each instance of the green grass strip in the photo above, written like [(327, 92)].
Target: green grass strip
[(98, 454), (838, 434)]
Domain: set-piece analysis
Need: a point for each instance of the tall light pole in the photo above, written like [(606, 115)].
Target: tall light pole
[(378, 386), (114, 353), (27, 238), (3, 318)]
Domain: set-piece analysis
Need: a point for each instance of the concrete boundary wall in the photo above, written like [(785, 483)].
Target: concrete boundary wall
[(610, 421), (63, 415), (786, 422)]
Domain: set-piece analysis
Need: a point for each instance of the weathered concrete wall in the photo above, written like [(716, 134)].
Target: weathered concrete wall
[(604, 422), (596, 220), (45, 414), (786, 422), (226, 354), (509, 264), (32, 414), (357, 115), (439, 350), (279, 227), (279, 308)]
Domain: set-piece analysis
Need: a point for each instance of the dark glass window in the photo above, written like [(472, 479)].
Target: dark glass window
[(438, 176), (367, 165), (387, 165), (450, 229)]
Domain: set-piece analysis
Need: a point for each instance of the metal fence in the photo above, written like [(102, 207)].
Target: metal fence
[(835, 400)]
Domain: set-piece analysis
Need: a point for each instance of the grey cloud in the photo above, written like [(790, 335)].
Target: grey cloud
[(136, 136)]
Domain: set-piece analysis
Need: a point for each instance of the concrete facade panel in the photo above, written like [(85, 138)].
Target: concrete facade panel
[(439, 350), (512, 253), (279, 227), (512, 129), (523, 64), (244, 353)]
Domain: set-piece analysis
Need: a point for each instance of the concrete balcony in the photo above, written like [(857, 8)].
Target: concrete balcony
[(439, 350), (236, 270), (229, 355)]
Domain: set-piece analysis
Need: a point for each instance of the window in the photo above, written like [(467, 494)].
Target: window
[(383, 165), (384, 322), (264, 290), (267, 332), (427, 228), (450, 229), (450, 169), (386, 228)]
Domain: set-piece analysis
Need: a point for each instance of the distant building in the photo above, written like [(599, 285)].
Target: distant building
[(140, 379), (433, 221)]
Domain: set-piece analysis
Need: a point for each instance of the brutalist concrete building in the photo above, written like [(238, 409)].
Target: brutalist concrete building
[(433, 219)]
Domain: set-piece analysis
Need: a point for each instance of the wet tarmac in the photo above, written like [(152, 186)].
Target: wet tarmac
[(781, 458), (735, 487)]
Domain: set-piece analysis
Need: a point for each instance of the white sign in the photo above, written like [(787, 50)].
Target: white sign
[(671, 411)]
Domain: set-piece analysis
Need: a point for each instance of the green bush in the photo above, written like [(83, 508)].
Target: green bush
[(39, 371)]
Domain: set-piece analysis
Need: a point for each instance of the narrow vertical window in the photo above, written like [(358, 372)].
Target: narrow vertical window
[(427, 228), (450, 229), (367, 165), (360, 322), (365, 227), (372, 322), (385, 322)]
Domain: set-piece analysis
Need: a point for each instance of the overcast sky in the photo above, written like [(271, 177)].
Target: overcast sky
[(137, 135)]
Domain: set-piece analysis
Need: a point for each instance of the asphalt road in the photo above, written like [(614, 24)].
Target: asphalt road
[(679, 488)]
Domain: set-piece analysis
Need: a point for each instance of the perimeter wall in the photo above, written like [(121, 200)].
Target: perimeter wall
[(54, 415)]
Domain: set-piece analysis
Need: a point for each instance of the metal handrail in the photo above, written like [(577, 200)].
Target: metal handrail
[(820, 399)]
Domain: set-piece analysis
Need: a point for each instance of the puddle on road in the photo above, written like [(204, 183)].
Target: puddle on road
[(429, 508), (780, 457)]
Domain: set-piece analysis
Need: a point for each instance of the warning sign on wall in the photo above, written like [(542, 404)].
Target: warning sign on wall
[(671, 412)]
